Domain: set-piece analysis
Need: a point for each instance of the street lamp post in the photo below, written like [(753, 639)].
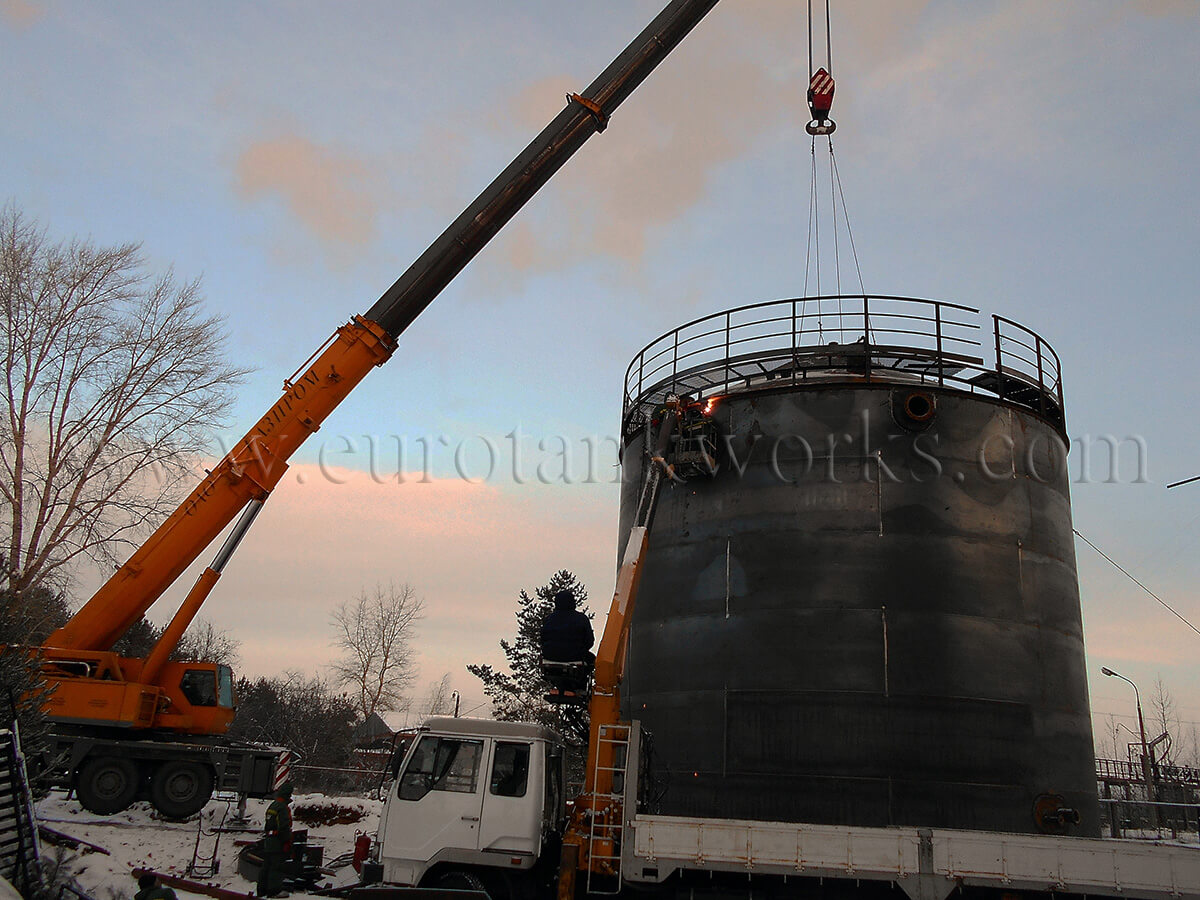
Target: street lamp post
[(1147, 770)]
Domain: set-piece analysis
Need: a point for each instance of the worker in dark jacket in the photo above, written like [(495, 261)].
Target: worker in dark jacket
[(277, 844), (567, 633), (152, 889)]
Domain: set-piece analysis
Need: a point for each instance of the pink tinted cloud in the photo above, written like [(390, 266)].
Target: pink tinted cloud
[(330, 193), (654, 163), (468, 549), (20, 13)]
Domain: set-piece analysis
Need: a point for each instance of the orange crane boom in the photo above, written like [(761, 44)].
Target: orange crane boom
[(252, 469), (248, 472), (98, 696)]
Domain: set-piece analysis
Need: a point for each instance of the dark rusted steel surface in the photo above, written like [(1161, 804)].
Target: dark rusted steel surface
[(877, 621)]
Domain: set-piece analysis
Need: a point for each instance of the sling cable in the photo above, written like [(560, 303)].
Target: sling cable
[(820, 101)]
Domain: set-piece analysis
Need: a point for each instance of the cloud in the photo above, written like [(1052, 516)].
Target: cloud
[(1167, 7), (334, 195), (20, 13), (739, 80), (655, 161)]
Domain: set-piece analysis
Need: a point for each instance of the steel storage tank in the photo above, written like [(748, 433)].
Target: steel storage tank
[(870, 614)]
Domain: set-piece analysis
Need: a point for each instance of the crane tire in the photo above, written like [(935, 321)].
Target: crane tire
[(108, 784), (180, 788)]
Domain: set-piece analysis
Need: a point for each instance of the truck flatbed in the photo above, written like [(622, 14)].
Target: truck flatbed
[(928, 864)]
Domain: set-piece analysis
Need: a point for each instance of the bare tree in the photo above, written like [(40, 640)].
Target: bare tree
[(1164, 719), (374, 632), (1108, 738), (204, 642), (113, 381), (439, 701)]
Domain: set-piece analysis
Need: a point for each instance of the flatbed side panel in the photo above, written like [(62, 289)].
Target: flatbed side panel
[(1071, 865), (1117, 868), (775, 847)]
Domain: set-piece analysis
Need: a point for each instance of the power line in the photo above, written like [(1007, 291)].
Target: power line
[(1185, 481), (1167, 606)]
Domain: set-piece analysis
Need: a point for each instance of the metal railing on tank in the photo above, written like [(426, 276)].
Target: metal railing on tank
[(782, 343)]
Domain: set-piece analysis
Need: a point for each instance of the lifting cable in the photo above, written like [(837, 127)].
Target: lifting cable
[(820, 101)]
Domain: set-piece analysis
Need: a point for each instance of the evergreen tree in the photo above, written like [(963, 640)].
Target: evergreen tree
[(519, 694), (26, 619)]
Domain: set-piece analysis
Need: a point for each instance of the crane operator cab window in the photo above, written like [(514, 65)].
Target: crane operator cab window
[(205, 687), (225, 687), (441, 764), (199, 686)]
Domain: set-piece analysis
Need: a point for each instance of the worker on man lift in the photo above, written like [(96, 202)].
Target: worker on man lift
[(567, 658)]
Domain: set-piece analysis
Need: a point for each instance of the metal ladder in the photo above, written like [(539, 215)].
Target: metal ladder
[(601, 833), (19, 848)]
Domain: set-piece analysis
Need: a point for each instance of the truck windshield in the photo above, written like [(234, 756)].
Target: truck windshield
[(225, 687), (441, 764)]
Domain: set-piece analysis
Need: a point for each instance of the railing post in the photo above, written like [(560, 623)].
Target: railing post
[(866, 336), (1037, 346), (727, 315), (675, 364), (937, 319), (999, 365), (795, 344), (1062, 410)]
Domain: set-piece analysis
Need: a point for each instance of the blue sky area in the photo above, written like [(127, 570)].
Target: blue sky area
[(1033, 160)]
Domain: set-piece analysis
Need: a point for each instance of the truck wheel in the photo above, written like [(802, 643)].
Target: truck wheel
[(108, 784), (180, 789), (459, 880)]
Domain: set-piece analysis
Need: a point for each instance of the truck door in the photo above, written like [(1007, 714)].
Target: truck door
[(438, 799), (512, 803)]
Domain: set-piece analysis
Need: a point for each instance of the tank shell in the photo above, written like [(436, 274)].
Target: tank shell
[(875, 622)]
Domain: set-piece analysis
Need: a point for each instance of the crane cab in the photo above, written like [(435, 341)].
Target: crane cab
[(470, 798), (100, 687)]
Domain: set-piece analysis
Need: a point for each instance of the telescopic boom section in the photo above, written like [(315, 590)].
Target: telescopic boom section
[(252, 469), (584, 115), (248, 472), (605, 706)]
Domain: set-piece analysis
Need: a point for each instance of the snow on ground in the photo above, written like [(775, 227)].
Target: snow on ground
[(139, 838)]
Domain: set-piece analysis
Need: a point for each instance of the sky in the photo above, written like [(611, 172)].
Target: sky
[(1033, 160)]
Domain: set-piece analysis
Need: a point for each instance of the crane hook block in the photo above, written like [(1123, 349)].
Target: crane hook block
[(820, 101)]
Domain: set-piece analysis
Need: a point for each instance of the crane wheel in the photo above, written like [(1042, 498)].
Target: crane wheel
[(180, 789), (108, 784)]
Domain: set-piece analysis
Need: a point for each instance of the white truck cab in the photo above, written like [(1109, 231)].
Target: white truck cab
[(470, 797)]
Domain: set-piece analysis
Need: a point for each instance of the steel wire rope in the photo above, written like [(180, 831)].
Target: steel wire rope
[(812, 260), (846, 217), (828, 41), (837, 177), (1124, 572), (808, 237), (810, 68), (837, 258)]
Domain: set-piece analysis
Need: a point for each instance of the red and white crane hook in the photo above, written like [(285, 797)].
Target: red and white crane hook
[(820, 85)]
